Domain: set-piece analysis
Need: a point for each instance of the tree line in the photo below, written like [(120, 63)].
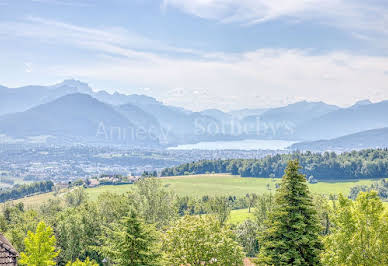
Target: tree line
[(381, 187), (370, 163), (150, 225), (20, 191)]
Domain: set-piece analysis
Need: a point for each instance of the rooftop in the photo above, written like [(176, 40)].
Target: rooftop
[(8, 254)]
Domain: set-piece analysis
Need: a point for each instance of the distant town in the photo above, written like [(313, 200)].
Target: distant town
[(23, 163)]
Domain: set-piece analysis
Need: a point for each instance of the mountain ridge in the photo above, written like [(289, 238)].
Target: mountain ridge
[(374, 138), (345, 121), (304, 120), (78, 116)]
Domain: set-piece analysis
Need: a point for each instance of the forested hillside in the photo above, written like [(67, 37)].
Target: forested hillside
[(20, 191), (370, 163), (151, 225)]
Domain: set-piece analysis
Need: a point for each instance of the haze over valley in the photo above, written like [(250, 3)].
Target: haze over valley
[(71, 112)]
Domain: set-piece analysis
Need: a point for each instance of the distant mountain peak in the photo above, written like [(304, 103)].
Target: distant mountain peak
[(305, 103), (78, 85), (74, 82)]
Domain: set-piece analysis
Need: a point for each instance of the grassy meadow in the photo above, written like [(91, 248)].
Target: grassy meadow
[(33, 201), (211, 184), (239, 216), (223, 184)]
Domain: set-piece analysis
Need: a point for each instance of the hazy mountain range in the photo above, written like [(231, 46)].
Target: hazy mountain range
[(359, 117), (72, 111), (375, 138)]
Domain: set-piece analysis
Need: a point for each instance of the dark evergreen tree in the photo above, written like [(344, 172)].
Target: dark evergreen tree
[(132, 242), (292, 234)]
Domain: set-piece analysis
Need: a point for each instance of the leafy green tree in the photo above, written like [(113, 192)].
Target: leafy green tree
[(292, 234), (201, 240), (19, 191), (113, 207), (130, 242), (220, 207), (77, 230), (87, 262), (246, 233), (263, 207), (153, 203), (251, 199), (359, 234), (40, 247), (76, 197), (323, 209), (186, 205), (17, 223)]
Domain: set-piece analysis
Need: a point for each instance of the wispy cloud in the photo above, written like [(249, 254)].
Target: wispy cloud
[(115, 40), (348, 14), (224, 80), (264, 77), (248, 11)]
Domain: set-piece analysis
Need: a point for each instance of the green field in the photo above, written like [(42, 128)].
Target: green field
[(34, 201), (221, 184), (120, 189), (239, 216), (214, 184)]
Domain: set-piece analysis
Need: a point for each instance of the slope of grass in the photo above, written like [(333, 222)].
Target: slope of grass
[(221, 184), (218, 184), (33, 201), (239, 216), (214, 184), (338, 187), (120, 189)]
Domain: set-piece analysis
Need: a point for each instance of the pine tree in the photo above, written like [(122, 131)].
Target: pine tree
[(131, 242), (292, 234)]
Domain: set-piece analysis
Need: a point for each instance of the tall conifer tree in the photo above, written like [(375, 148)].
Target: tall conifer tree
[(292, 234), (131, 242)]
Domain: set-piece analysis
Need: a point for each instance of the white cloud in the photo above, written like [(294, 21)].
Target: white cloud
[(349, 14), (118, 41), (258, 78), (250, 11), (264, 77)]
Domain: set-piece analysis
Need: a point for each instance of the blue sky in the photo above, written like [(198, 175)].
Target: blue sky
[(199, 54)]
